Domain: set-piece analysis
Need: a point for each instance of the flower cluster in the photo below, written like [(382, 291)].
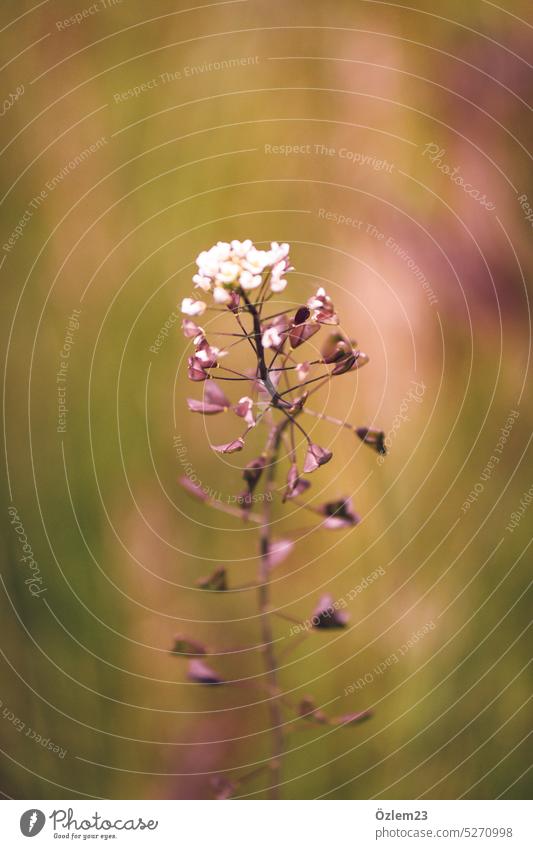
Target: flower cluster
[(228, 267)]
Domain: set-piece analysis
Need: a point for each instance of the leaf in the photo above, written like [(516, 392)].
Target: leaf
[(230, 447), (217, 581), (326, 615), (200, 673), (315, 457), (353, 718), (185, 646)]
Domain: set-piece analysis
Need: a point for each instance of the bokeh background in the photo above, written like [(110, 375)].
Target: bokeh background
[(177, 164)]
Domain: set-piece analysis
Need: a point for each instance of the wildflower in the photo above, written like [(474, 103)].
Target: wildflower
[(191, 307), (242, 280), (239, 266)]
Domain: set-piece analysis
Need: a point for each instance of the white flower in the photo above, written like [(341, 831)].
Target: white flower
[(255, 261), (207, 263), (202, 282), (223, 250), (192, 307), (240, 264), (240, 249), (228, 272), (221, 295), (249, 280), (278, 252), (271, 338)]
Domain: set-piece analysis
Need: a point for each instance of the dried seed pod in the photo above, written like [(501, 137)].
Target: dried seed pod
[(339, 514), (315, 457), (186, 646), (372, 437), (200, 673), (217, 581), (326, 615)]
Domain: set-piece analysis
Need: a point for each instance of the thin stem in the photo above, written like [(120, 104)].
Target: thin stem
[(330, 419), (260, 351), (305, 383), (265, 616)]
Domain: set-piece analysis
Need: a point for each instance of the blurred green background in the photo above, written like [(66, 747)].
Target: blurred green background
[(183, 161)]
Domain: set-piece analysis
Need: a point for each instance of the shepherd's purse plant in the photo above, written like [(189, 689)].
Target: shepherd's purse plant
[(283, 368)]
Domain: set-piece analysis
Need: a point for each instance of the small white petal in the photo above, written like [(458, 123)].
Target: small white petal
[(221, 295), (201, 282), (192, 307)]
